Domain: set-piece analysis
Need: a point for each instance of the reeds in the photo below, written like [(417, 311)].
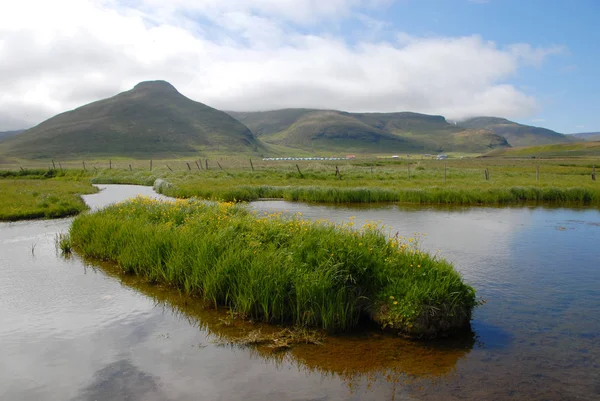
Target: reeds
[(280, 269)]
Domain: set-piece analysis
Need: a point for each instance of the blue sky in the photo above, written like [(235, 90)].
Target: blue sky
[(530, 61), (567, 85)]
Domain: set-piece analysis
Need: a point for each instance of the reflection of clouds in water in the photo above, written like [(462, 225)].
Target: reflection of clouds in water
[(121, 380), (117, 193)]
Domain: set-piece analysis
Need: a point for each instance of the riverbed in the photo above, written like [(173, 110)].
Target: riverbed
[(74, 330)]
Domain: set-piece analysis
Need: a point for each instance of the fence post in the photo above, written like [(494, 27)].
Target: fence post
[(53, 165), (189, 168), (130, 169), (110, 164), (84, 169), (299, 172), (197, 165), (251, 165), (169, 167), (59, 165), (150, 165), (206, 163), (219, 164), (537, 172)]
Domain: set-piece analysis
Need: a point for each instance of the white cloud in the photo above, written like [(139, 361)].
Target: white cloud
[(241, 55)]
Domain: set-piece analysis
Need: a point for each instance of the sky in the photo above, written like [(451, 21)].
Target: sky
[(532, 61)]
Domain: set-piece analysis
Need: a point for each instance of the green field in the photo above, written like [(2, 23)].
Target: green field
[(456, 181), (459, 181), (280, 269), (30, 195), (569, 150)]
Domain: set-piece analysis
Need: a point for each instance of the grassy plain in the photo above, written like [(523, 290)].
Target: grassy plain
[(280, 269), (455, 181), (40, 194)]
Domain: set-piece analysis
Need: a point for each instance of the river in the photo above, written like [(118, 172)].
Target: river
[(70, 330)]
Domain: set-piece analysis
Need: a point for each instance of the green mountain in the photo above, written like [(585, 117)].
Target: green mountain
[(337, 131), (151, 120), (516, 134), (561, 150), (8, 134), (587, 136)]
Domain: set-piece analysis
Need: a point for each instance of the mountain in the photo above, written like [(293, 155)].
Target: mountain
[(516, 134), (8, 134), (560, 150), (151, 120), (338, 131), (587, 136)]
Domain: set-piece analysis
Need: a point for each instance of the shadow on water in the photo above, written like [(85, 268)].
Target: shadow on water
[(121, 380), (363, 357)]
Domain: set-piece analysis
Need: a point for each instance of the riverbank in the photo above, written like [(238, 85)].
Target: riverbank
[(280, 270), (459, 182), (24, 197)]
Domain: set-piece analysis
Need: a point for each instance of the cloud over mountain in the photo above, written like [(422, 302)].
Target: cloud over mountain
[(241, 55)]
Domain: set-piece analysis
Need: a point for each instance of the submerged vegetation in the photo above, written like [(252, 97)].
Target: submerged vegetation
[(29, 197), (280, 269)]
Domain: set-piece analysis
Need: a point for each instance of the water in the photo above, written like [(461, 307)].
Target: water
[(72, 331)]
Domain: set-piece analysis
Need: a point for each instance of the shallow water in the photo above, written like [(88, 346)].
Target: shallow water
[(72, 331)]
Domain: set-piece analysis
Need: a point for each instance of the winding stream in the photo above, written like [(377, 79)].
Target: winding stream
[(72, 331)]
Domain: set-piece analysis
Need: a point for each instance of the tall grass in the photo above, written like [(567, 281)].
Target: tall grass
[(280, 269)]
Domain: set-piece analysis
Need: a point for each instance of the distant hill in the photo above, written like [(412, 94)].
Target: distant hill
[(587, 136), (576, 149), (338, 131), (151, 120), (517, 134), (8, 134)]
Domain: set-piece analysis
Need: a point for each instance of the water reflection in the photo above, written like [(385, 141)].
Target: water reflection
[(74, 333), (365, 356)]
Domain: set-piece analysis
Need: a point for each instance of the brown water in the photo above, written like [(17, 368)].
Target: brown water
[(73, 331)]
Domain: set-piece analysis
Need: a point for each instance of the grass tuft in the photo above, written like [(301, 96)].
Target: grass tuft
[(312, 274)]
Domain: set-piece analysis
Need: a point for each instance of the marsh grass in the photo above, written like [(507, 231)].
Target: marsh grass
[(33, 198), (280, 269), (511, 182)]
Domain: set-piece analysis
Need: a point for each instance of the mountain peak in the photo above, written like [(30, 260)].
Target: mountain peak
[(154, 85)]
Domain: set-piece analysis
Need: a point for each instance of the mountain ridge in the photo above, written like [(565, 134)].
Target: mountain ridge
[(516, 134), (309, 129), (151, 119)]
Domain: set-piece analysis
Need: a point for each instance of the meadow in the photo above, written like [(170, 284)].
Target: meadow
[(420, 181), (32, 194), (279, 269)]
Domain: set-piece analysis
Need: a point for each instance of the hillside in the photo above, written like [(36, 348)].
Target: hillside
[(8, 134), (517, 134), (577, 149), (587, 136), (151, 120), (337, 131)]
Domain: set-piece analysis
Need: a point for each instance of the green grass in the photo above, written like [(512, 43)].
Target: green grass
[(280, 269), (577, 149), (378, 180), (30, 197)]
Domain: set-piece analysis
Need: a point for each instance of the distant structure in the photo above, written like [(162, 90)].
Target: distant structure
[(442, 157)]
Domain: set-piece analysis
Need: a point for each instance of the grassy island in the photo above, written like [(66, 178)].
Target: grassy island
[(280, 269)]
